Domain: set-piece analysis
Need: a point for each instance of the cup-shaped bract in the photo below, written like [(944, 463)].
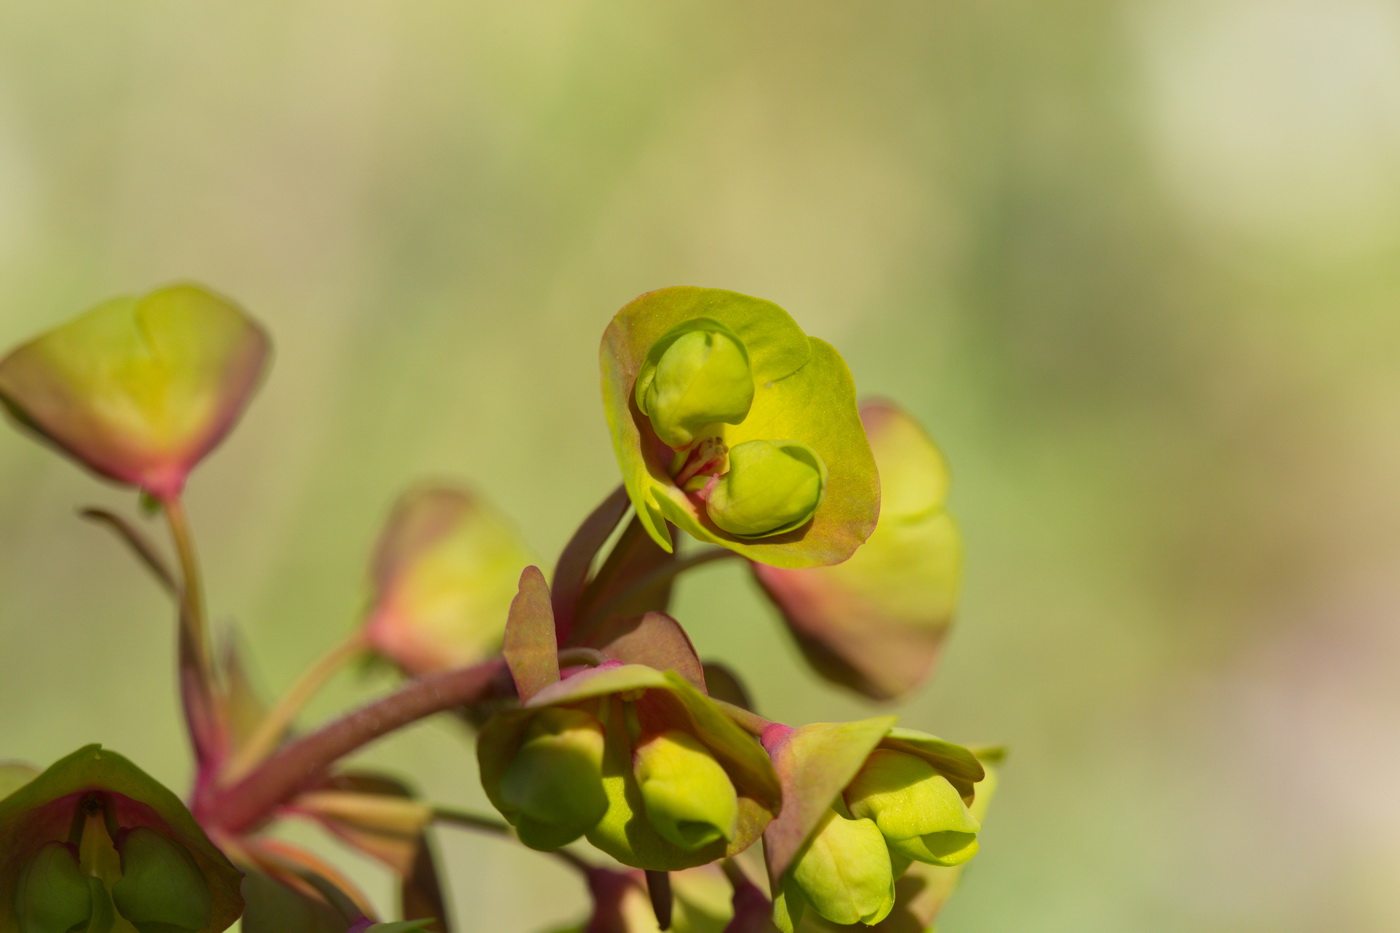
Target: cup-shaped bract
[(817, 765), (845, 873), (553, 788), (161, 887), (695, 376), (638, 705), (877, 622), (445, 571), (686, 794), (139, 848), (921, 815), (802, 395), (52, 895), (139, 389)]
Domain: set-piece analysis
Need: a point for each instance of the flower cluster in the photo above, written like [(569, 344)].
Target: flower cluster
[(596, 720)]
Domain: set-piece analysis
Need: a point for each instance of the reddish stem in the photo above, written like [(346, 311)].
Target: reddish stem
[(253, 800)]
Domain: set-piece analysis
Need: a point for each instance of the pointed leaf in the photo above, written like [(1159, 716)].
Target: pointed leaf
[(139, 389), (445, 572), (621, 586), (802, 392), (571, 571), (529, 648), (877, 622), (277, 907), (421, 893)]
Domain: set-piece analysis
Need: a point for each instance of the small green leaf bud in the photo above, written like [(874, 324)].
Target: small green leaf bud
[(845, 873), (553, 787), (688, 797), (53, 895), (771, 487), (161, 889), (695, 376), (920, 814)]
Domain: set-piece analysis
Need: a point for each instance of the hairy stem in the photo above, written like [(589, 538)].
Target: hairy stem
[(252, 800)]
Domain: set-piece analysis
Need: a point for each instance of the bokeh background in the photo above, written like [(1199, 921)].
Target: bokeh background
[(1135, 264)]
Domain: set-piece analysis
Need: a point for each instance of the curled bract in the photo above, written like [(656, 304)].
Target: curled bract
[(784, 476)]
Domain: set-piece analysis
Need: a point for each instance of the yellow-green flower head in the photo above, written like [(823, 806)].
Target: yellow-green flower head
[(845, 873), (139, 389), (921, 815), (685, 792), (696, 376), (94, 844), (664, 782), (731, 423), (553, 787)]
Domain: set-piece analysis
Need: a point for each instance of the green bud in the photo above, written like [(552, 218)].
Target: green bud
[(921, 815), (771, 487), (53, 895), (688, 797), (695, 376), (161, 889), (845, 873), (553, 788)]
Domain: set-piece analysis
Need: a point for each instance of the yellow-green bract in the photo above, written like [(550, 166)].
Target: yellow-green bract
[(803, 393), (139, 389)]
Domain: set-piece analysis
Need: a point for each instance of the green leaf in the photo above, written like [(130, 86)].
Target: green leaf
[(803, 393), (44, 810), (877, 622), (445, 572), (139, 389)]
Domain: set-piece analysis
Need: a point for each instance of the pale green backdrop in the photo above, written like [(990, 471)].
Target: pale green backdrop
[(1136, 264)]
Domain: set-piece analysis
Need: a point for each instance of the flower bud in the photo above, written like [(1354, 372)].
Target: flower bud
[(845, 872), (53, 895), (553, 787), (161, 889), (695, 376), (688, 797), (771, 487), (921, 815)]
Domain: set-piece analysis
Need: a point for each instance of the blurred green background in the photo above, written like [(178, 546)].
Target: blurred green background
[(1135, 264)]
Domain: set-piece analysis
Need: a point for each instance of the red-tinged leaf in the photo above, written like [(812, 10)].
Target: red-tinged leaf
[(309, 874), (654, 639), (724, 684), (529, 647), (955, 762), (632, 581), (876, 623), (571, 572), (46, 807), (813, 764), (421, 893)]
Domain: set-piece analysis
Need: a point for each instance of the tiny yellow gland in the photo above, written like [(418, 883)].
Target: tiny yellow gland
[(845, 872), (920, 814), (771, 487), (553, 787), (688, 797), (53, 895), (139, 389), (161, 888), (695, 376)]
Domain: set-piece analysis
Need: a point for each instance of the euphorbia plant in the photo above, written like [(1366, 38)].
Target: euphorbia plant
[(596, 722)]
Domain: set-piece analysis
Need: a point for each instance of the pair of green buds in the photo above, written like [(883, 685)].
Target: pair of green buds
[(158, 888), (553, 790), (696, 379), (898, 810)]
